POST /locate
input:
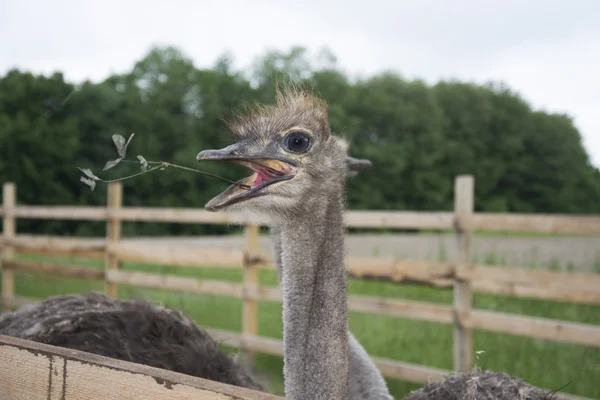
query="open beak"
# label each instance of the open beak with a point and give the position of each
(267, 171)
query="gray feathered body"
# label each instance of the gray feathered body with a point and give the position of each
(134, 330)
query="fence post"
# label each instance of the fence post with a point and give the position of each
(113, 233)
(9, 200)
(250, 309)
(463, 298)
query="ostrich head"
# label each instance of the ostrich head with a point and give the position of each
(296, 160)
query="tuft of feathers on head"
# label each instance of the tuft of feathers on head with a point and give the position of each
(293, 107)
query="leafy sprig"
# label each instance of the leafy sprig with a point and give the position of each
(146, 166)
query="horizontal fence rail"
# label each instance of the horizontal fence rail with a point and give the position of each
(511, 222)
(570, 224)
(462, 276)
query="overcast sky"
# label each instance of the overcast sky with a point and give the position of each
(547, 50)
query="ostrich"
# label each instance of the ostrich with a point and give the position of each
(298, 168)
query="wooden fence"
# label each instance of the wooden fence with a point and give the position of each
(462, 275)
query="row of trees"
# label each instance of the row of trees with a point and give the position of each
(419, 137)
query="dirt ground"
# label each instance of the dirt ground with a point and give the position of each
(576, 253)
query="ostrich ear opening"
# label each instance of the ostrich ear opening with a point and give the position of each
(356, 165)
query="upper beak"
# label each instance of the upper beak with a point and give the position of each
(232, 153)
(226, 153)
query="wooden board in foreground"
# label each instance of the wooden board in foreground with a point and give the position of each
(31, 371)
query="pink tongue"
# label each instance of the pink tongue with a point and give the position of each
(260, 179)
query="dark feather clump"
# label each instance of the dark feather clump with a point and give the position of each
(134, 330)
(477, 385)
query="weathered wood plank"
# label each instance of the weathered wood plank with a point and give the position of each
(182, 215)
(573, 287)
(57, 373)
(399, 219)
(401, 308)
(251, 282)
(177, 255)
(177, 283)
(541, 223)
(56, 245)
(546, 223)
(56, 270)
(364, 219)
(463, 285)
(82, 213)
(402, 271)
(9, 228)
(541, 328)
(113, 233)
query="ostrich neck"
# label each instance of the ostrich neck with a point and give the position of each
(315, 315)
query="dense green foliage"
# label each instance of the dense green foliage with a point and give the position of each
(418, 136)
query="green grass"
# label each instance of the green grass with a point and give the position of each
(543, 363)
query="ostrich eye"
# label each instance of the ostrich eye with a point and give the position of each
(297, 142)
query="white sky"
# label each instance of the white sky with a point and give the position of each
(547, 50)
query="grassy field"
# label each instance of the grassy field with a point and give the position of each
(543, 363)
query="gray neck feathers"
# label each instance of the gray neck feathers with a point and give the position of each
(276, 242)
(315, 315)
(365, 382)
